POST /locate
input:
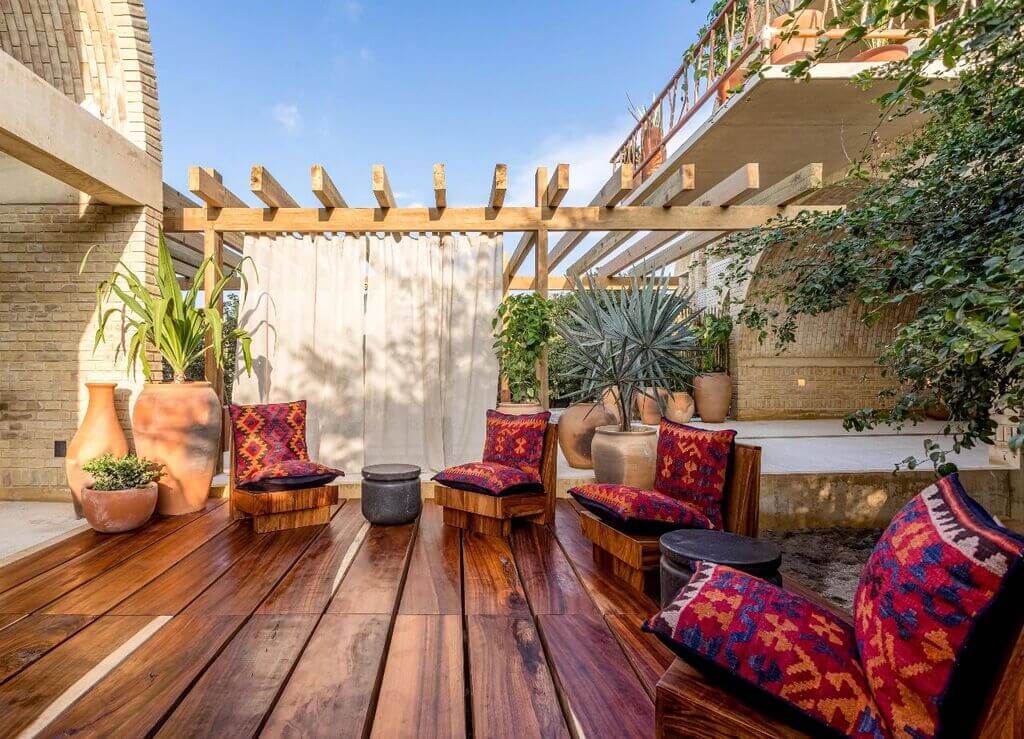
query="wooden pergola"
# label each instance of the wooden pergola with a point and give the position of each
(736, 203)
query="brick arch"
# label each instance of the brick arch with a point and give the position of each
(97, 52)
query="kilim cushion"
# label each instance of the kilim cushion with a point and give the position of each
(490, 478)
(516, 441)
(939, 603)
(692, 465)
(634, 509)
(290, 474)
(265, 434)
(798, 655)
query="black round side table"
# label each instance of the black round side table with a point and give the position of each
(391, 493)
(680, 549)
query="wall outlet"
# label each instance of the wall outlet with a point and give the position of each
(60, 449)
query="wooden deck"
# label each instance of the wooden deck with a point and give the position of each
(194, 626)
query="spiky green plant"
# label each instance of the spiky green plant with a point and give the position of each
(633, 340)
(171, 320)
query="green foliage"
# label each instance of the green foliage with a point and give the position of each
(628, 340)
(122, 473)
(561, 385)
(938, 230)
(713, 332)
(229, 350)
(522, 328)
(171, 320)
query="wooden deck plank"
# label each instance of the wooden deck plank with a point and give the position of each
(6, 619)
(648, 657)
(27, 694)
(490, 578)
(549, 580)
(422, 693)
(334, 685)
(32, 637)
(581, 648)
(236, 692)
(374, 581)
(512, 694)
(434, 583)
(50, 585)
(52, 556)
(102, 593)
(309, 585)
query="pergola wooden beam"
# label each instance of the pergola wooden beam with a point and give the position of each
(740, 183)
(499, 186)
(324, 189)
(205, 183)
(382, 188)
(440, 187)
(528, 239)
(269, 190)
(557, 187)
(194, 241)
(618, 186)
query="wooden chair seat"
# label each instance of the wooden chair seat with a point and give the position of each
(492, 514)
(290, 509)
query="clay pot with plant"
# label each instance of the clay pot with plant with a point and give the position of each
(712, 388)
(522, 330)
(880, 50)
(177, 424)
(621, 343)
(123, 493)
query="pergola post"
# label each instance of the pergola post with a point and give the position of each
(213, 249)
(543, 197)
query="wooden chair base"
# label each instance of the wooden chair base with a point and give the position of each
(283, 510)
(633, 558)
(488, 514)
(477, 524)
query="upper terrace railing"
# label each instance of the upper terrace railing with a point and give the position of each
(716, 64)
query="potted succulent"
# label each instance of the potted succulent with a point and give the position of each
(620, 343)
(712, 388)
(176, 423)
(122, 495)
(522, 330)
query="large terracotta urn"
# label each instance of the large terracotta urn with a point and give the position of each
(114, 511)
(679, 406)
(576, 428)
(625, 457)
(713, 392)
(519, 409)
(179, 425)
(887, 53)
(647, 405)
(99, 434)
(610, 402)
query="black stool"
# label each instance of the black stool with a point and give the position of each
(391, 493)
(680, 549)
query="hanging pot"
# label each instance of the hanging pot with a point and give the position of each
(99, 434)
(887, 53)
(713, 392)
(519, 409)
(114, 511)
(178, 424)
(576, 427)
(625, 457)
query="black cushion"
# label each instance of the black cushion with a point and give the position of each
(280, 484)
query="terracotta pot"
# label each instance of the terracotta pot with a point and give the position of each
(650, 141)
(576, 428)
(887, 53)
(114, 511)
(647, 406)
(727, 85)
(99, 434)
(179, 425)
(787, 51)
(625, 457)
(519, 409)
(610, 403)
(679, 407)
(713, 393)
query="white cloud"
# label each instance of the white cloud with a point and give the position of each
(287, 116)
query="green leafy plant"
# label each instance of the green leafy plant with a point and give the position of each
(171, 321)
(631, 341)
(522, 329)
(560, 383)
(229, 349)
(713, 332)
(122, 473)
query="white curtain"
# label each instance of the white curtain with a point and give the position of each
(404, 372)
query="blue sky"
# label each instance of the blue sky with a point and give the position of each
(350, 83)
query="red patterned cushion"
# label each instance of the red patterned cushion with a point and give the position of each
(490, 478)
(634, 508)
(692, 463)
(782, 645)
(266, 434)
(292, 468)
(516, 441)
(938, 602)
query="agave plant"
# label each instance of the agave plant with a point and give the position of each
(170, 320)
(632, 341)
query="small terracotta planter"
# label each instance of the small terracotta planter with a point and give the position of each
(887, 53)
(519, 409)
(625, 457)
(576, 427)
(679, 406)
(115, 511)
(713, 394)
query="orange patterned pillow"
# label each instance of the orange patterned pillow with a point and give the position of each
(692, 465)
(516, 441)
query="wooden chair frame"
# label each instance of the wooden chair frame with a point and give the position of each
(635, 558)
(492, 514)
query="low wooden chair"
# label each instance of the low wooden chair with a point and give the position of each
(493, 515)
(635, 558)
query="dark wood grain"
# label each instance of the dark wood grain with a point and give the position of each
(102, 593)
(6, 619)
(334, 685)
(490, 578)
(512, 694)
(374, 581)
(237, 690)
(549, 580)
(32, 637)
(599, 687)
(422, 693)
(49, 557)
(434, 583)
(308, 586)
(648, 657)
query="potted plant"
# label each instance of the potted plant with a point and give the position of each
(676, 403)
(522, 329)
(880, 50)
(123, 492)
(712, 388)
(625, 341)
(176, 423)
